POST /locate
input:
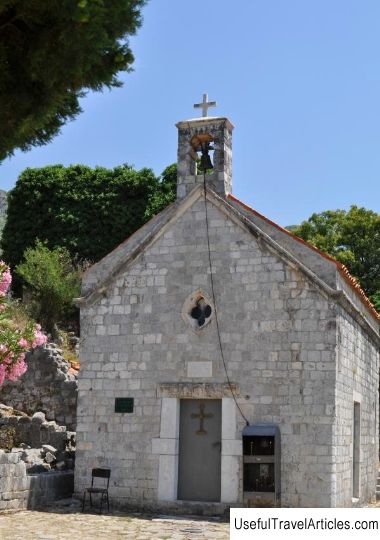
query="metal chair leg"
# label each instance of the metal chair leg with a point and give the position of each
(84, 500)
(108, 503)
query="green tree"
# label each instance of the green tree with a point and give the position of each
(51, 53)
(87, 211)
(166, 192)
(375, 298)
(52, 282)
(353, 238)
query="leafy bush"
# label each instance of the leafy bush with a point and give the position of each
(87, 211)
(51, 281)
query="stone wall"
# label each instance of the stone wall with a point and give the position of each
(357, 374)
(49, 385)
(34, 431)
(49, 487)
(279, 337)
(14, 483)
(19, 491)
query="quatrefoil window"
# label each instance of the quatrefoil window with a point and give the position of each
(197, 310)
(201, 311)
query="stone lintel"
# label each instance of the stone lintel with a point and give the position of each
(196, 390)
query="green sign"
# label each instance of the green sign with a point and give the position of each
(124, 405)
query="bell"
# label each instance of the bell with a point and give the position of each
(205, 163)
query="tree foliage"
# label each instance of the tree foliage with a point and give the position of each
(165, 193)
(52, 282)
(353, 238)
(51, 53)
(87, 211)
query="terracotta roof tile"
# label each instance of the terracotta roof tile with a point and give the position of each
(352, 282)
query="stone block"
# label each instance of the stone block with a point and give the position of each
(38, 418)
(229, 479)
(199, 369)
(165, 446)
(167, 478)
(228, 418)
(232, 447)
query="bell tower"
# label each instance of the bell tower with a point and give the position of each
(204, 148)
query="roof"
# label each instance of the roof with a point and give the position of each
(99, 276)
(342, 269)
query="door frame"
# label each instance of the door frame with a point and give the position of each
(166, 447)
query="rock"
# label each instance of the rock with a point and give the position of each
(24, 420)
(48, 448)
(31, 455)
(38, 468)
(49, 457)
(39, 417)
(43, 386)
(5, 410)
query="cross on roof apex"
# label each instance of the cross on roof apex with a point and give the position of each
(205, 105)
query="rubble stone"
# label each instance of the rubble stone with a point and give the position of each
(49, 384)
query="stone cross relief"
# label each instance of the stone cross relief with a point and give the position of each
(202, 415)
(205, 105)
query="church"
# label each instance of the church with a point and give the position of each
(225, 361)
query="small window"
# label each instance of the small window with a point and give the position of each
(201, 312)
(197, 310)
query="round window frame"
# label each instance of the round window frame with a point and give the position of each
(190, 303)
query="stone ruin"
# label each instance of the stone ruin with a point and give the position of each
(37, 460)
(43, 445)
(49, 385)
(37, 449)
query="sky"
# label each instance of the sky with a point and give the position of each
(300, 81)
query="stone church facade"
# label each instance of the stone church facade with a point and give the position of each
(209, 323)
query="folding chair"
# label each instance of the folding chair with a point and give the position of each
(102, 490)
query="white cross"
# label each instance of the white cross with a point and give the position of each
(205, 105)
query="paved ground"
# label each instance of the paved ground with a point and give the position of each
(68, 523)
(64, 523)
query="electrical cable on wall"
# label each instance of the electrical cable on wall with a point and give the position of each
(215, 306)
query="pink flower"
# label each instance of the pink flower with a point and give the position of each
(5, 280)
(17, 369)
(2, 307)
(23, 343)
(8, 359)
(2, 373)
(39, 337)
